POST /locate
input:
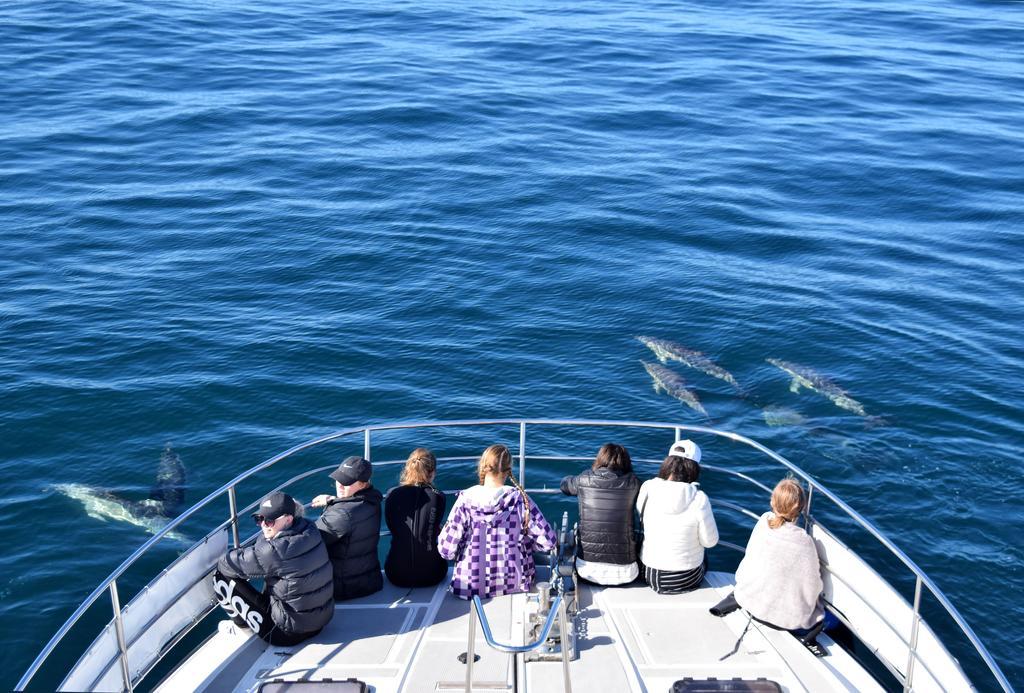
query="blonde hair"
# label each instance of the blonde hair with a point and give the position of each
(495, 460)
(419, 468)
(788, 500)
(498, 460)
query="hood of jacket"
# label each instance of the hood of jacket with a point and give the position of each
(670, 497)
(297, 540)
(489, 508)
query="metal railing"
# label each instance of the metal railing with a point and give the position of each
(476, 613)
(109, 585)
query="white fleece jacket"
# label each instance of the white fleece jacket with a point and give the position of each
(779, 578)
(678, 524)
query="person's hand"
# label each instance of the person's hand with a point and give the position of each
(322, 500)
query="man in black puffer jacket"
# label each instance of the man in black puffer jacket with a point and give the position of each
(296, 602)
(350, 527)
(607, 496)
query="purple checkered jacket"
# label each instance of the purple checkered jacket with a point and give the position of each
(493, 553)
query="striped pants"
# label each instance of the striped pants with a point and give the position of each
(674, 581)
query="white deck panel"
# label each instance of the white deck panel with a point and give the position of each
(630, 639)
(638, 640)
(395, 640)
(436, 667)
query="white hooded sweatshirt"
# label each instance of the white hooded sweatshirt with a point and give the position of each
(678, 524)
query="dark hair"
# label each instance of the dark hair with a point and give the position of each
(678, 468)
(614, 457)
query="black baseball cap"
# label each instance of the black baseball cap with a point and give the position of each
(274, 506)
(353, 469)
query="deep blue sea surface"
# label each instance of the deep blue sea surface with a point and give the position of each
(235, 226)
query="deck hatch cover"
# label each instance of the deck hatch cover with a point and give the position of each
(324, 686)
(713, 685)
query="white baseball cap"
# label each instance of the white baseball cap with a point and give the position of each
(685, 448)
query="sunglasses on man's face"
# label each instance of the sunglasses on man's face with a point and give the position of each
(260, 520)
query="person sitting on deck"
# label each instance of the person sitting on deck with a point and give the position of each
(350, 527)
(290, 557)
(607, 495)
(493, 531)
(779, 581)
(678, 523)
(413, 512)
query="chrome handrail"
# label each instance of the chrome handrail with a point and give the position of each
(557, 610)
(366, 431)
(485, 627)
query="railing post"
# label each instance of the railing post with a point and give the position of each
(470, 646)
(126, 676)
(914, 628)
(807, 508)
(679, 434)
(366, 445)
(563, 628)
(233, 504)
(522, 454)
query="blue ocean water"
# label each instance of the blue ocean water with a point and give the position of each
(235, 226)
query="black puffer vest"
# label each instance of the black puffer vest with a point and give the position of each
(606, 502)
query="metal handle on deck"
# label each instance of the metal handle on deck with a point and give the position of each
(516, 649)
(477, 612)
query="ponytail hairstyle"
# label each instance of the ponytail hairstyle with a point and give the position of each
(419, 468)
(788, 501)
(498, 460)
(495, 460)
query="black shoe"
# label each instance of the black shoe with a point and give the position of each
(726, 606)
(816, 648)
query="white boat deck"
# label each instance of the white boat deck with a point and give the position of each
(630, 639)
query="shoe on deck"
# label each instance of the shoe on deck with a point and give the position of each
(816, 648)
(229, 627)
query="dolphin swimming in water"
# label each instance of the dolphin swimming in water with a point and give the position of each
(664, 349)
(812, 380)
(166, 500)
(674, 385)
(775, 415)
(170, 482)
